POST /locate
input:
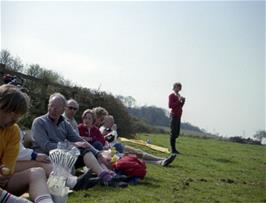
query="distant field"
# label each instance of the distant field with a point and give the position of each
(208, 170)
(186, 132)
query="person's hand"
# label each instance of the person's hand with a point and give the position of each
(114, 127)
(42, 158)
(4, 171)
(5, 174)
(88, 139)
(106, 146)
(81, 144)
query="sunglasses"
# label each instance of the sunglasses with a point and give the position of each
(72, 108)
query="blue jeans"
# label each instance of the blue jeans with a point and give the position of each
(119, 147)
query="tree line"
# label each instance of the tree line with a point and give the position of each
(40, 83)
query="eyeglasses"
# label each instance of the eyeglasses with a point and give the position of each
(72, 108)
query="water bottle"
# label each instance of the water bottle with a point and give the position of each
(62, 145)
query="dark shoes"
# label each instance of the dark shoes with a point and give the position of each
(118, 178)
(86, 181)
(116, 181)
(169, 160)
(175, 152)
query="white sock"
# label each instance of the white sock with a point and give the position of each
(6, 197)
(71, 181)
(150, 157)
(159, 162)
(44, 199)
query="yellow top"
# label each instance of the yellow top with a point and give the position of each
(9, 146)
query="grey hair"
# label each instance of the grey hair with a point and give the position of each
(58, 95)
(72, 101)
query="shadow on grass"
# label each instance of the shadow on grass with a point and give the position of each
(150, 182)
(224, 160)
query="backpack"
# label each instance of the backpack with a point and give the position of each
(130, 166)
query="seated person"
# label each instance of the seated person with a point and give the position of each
(99, 114)
(51, 128)
(14, 104)
(28, 158)
(71, 109)
(108, 130)
(89, 132)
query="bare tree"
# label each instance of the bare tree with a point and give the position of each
(128, 101)
(34, 70)
(16, 64)
(10, 62)
(5, 58)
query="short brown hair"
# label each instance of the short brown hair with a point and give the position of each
(88, 111)
(100, 111)
(177, 84)
(13, 100)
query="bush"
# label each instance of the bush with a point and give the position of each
(244, 140)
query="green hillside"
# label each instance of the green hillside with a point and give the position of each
(208, 170)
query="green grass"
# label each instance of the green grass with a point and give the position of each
(209, 170)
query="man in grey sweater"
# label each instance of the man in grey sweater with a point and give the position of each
(51, 128)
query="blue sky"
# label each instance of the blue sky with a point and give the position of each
(216, 49)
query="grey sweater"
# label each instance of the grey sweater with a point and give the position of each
(47, 134)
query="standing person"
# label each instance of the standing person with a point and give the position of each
(14, 104)
(175, 103)
(71, 109)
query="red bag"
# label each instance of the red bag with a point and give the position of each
(131, 166)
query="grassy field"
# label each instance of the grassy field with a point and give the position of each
(208, 170)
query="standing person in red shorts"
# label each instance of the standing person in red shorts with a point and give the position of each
(175, 103)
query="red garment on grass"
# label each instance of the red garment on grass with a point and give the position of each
(131, 166)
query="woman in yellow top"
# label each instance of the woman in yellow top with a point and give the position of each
(14, 104)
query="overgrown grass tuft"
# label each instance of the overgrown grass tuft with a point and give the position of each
(208, 170)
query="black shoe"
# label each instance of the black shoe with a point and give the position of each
(116, 181)
(120, 184)
(168, 160)
(112, 183)
(86, 181)
(120, 178)
(175, 152)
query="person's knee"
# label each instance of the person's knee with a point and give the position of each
(48, 167)
(88, 155)
(36, 173)
(88, 158)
